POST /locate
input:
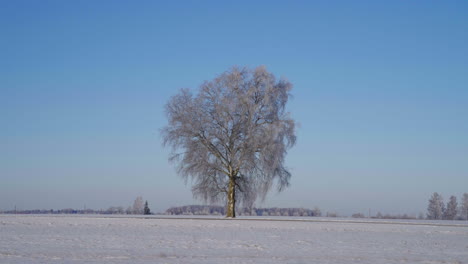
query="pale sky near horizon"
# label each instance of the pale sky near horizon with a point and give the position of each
(380, 92)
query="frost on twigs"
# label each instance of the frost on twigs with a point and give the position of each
(232, 136)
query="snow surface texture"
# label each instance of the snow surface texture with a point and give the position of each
(97, 239)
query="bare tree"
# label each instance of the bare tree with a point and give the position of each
(451, 210)
(138, 206)
(317, 211)
(129, 210)
(464, 207)
(231, 138)
(436, 208)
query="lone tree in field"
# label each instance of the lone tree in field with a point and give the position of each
(231, 138)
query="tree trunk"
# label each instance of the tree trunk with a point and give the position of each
(231, 198)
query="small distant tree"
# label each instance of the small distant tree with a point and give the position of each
(317, 212)
(146, 209)
(138, 207)
(464, 207)
(129, 210)
(436, 208)
(451, 211)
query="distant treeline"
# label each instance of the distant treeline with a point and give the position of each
(51, 211)
(110, 210)
(387, 216)
(220, 210)
(209, 210)
(138, 208)
(436, 210)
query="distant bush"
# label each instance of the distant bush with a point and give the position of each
(329, 214)
(358, 215)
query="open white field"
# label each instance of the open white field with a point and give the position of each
(96, 239)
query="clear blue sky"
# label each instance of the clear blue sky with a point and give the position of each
(380, 91)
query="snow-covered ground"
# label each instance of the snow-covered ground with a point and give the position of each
(98, 239)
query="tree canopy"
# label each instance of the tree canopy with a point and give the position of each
(232, 136)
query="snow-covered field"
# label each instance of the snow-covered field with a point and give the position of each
(98, 239)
